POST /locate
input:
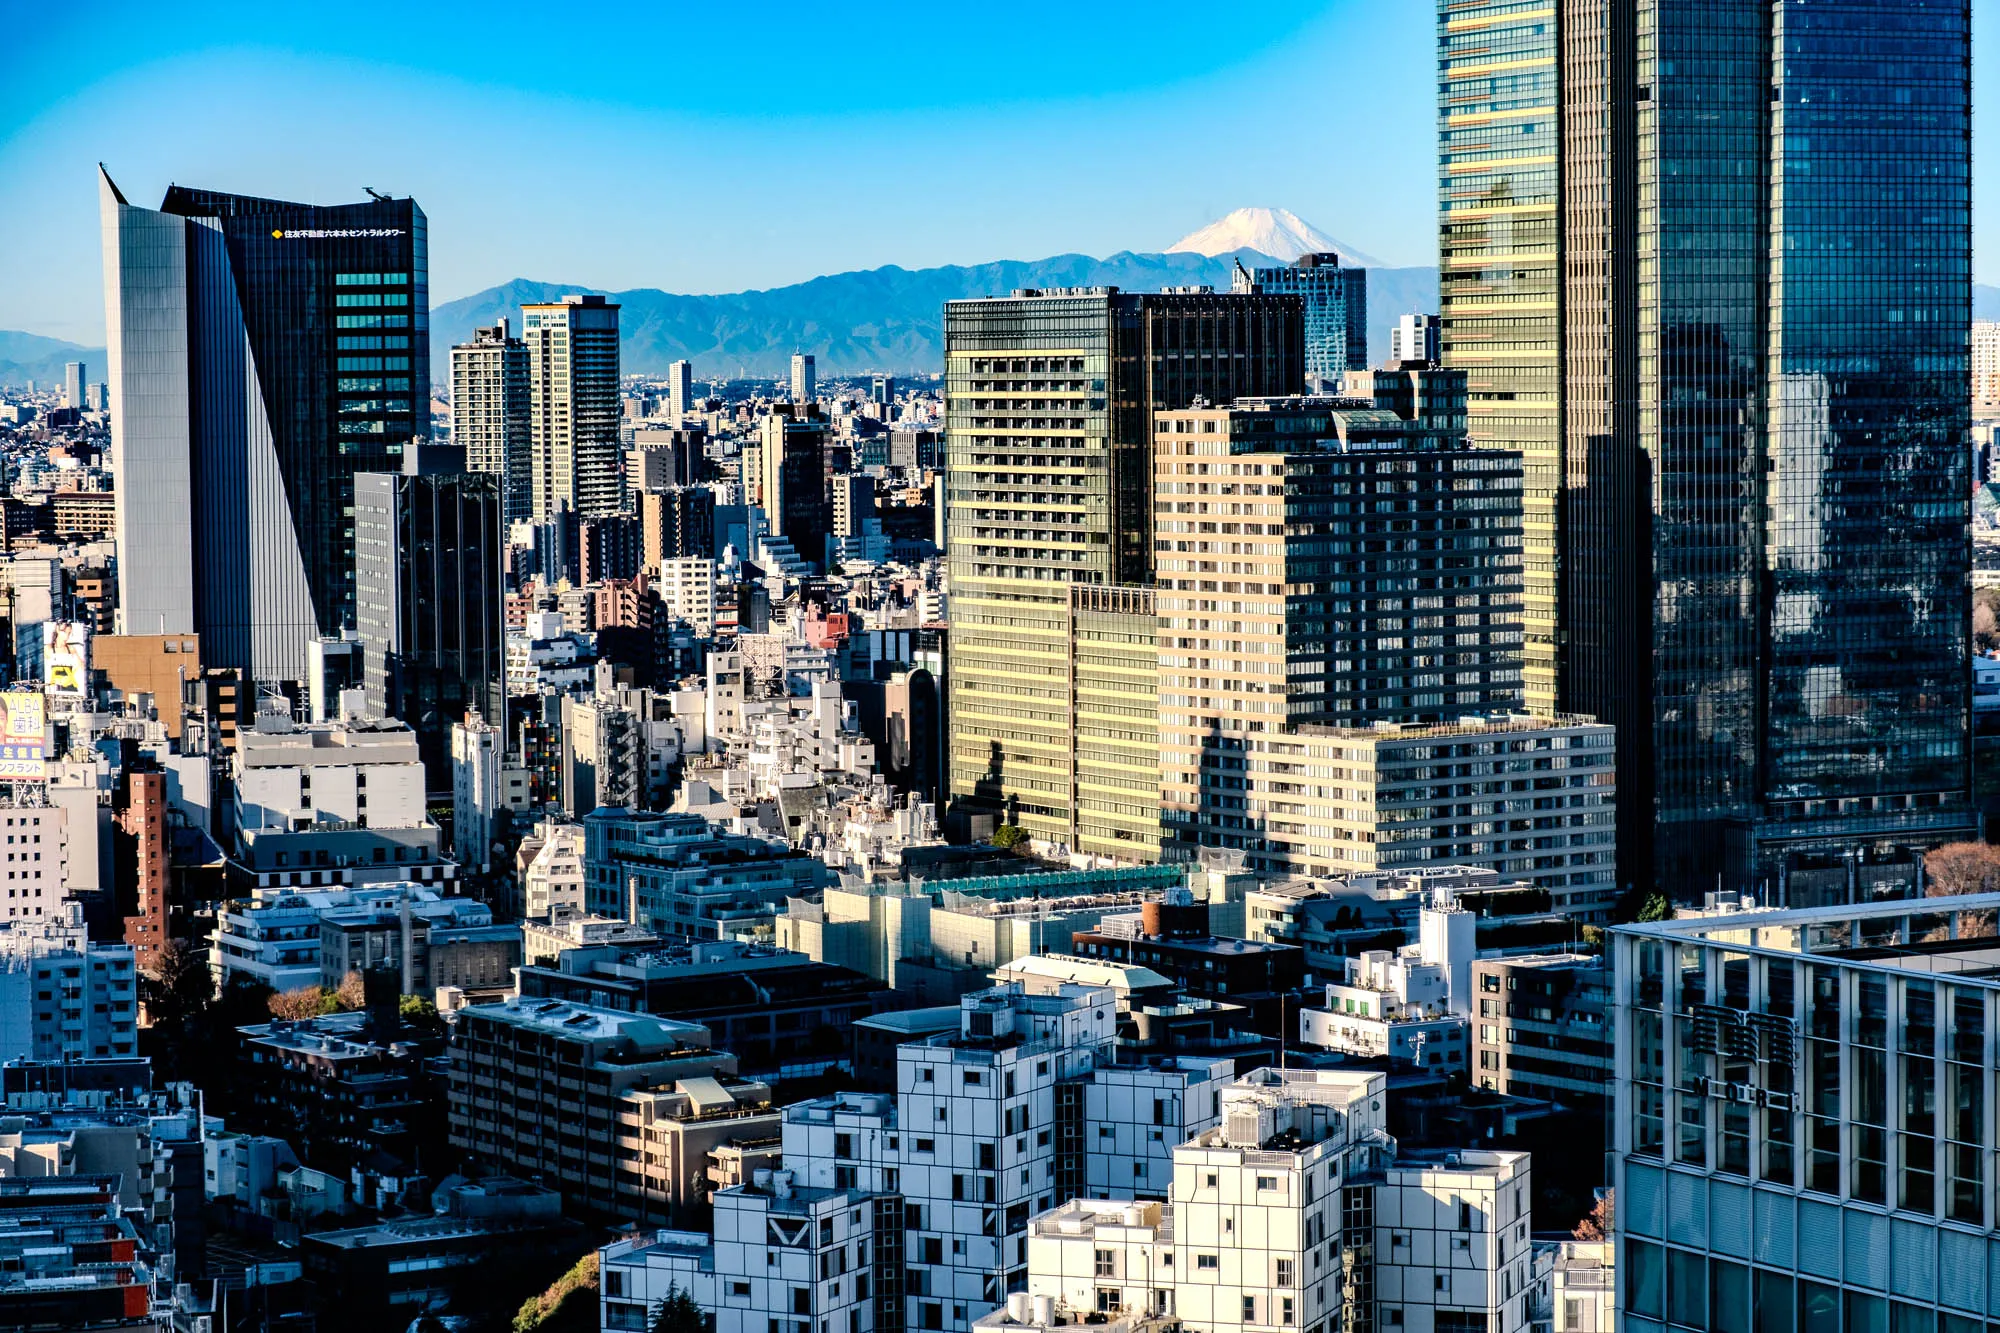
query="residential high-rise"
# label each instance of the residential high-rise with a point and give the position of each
(680, 391)
(1986, 367)
(1336, 313)
(675, 524)
(490, 406)
(1415, 338)
(1747, 497)
(805, 378)
(798, 466)
(1050, 398)
(73, 384)
(262, 354)
(882, 390)
(574, 452)
(429, 547)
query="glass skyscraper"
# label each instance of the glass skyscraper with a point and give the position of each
(1497, 266)
(1336, 311)
(262, 353)
(1761, 546)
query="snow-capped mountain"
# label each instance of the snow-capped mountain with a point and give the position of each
(1277, 232)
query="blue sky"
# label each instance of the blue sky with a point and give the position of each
(715, 148)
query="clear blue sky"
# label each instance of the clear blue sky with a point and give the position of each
(714, 148)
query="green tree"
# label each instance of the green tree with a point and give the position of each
(568, 1306)
(419, 1011)
(676, 1312)
(1656, 907)
(1008, 837)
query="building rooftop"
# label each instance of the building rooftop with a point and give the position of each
(1092, 1217)
(1945, 936)
(938, 1018)
(1121, 978)
(583, 1022)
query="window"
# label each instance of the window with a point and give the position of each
(1249, 1309)
(614, 1282)
(973, 1078)
(1107, 1263)
(1206, 1262)
(1285, 1272)
(926, 1145)
(1267, 1182)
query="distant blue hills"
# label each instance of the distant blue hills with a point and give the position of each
(888, 319)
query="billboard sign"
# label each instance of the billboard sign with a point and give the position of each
(66, 656)
(24, 737)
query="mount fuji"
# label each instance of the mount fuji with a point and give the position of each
(1277, 232)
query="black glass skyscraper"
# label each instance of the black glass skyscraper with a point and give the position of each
(270, 351)
(429, 542)
(1764, 517)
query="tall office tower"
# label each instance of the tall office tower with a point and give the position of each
(574, 413)
(73, 384)
(1497, 271)
(1802, 1136)
(429, 547)
(1747, 491)
(1336, 311)
(882, 389)
(805, 379)
(797, 464)
(1415, 338)
(1050, 398)
(1986, 367)
(262, 354)
(680, 391)
(490, 406)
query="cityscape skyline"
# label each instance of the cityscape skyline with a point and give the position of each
(1222, 811)
(638, 231)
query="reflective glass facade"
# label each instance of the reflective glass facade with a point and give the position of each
(335, 302)
(1803, 1126)
(1758, 546)
(1497, 259)
(1336, 311)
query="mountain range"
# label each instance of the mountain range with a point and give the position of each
(889, 319)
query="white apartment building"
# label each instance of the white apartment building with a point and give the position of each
(63, 997)
(367, 774)
(687, 591)
(991, 1123)
(36, 864)
(478, 758)
(1530, 798)
(554, 879)
(1411, 1004)
(1452, 1251)
(1291, 1213)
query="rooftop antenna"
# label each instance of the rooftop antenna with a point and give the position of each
(375, 194)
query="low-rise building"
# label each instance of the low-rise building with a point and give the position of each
(679, 876)
(336, 1088)
(63, 997)
(781, 1014)
(537, 1089)
(1543, 1027)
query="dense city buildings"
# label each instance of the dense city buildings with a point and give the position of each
(262, 354)
(490, 414)
(573, 445)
